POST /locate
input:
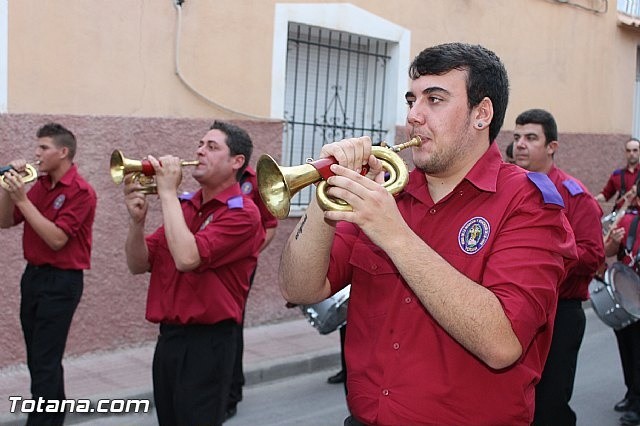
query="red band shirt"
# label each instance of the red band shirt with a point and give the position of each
(249, 188)
(71, 205)
(494, 227)
(583, 213)
(614, 184)
(228, 234)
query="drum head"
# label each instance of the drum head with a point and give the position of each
(625, 284)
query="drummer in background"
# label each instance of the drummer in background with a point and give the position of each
(535, 144)
(622, 180)
(629, 337)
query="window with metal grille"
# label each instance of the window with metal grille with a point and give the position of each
(630, 7)
(335, 89)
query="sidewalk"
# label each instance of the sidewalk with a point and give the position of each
(271, 352)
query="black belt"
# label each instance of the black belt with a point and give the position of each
(48, 267)
(570, 302)
(184, 328)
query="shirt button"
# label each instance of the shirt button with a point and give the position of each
(407, 300)
(432, 211)
(461, 193)
(396, 346)
(374, 267)
(385, 392)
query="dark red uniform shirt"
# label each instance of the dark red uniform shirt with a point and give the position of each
(249, 186)
(614, 184)
(583, 213)
(495, 228)
(71, 205)
(228, 235)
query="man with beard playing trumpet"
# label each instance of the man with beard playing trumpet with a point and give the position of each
(443, 329)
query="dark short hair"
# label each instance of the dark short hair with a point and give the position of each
(61, 136)
(543, 118)
(509, 150)
(238, 141)
(486, 75)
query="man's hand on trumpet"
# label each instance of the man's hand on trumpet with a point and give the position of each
(350, 153)
(13, 182)
(135, 199)
(374, 209)
(168, 174)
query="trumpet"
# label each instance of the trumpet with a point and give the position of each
(29, 174)
(277, 185)
(142, 170)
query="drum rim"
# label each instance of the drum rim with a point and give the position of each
(619, 267)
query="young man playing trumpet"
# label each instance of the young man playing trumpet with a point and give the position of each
(58, 213)
(444, 328)
(201, 260)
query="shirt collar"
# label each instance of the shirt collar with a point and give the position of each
(483, 175)
(66, 179)
(248, 171)
(553, 172)
(222, 197)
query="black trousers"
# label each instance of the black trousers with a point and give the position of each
(49, 297)
(192, 367)
(554, 391)
(237, 382)
(629, 347)
(343, 361)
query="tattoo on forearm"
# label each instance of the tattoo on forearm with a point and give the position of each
(299, 231)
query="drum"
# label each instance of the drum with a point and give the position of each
(616, 300)
(330, 314)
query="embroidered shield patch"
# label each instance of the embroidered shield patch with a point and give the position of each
(474, 235)
(59, 201)
(246, 188)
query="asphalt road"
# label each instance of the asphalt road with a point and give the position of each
(310, 401)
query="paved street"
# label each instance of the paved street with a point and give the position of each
(308, 399)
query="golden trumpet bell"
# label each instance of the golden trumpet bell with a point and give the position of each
(120, 166)
(142, 170)
(277, 184)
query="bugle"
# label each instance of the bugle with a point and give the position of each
(29, 174)
(142, 170)
(277, 185)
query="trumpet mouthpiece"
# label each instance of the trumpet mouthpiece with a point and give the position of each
(415, 141)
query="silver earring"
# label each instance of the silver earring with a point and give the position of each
(479, 125)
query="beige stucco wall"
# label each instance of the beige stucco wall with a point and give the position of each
(111, 312)
(117, 57)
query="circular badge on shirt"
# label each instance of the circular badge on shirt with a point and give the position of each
(474, 234)
(207, 221)
(59, 201)
(246, 188)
